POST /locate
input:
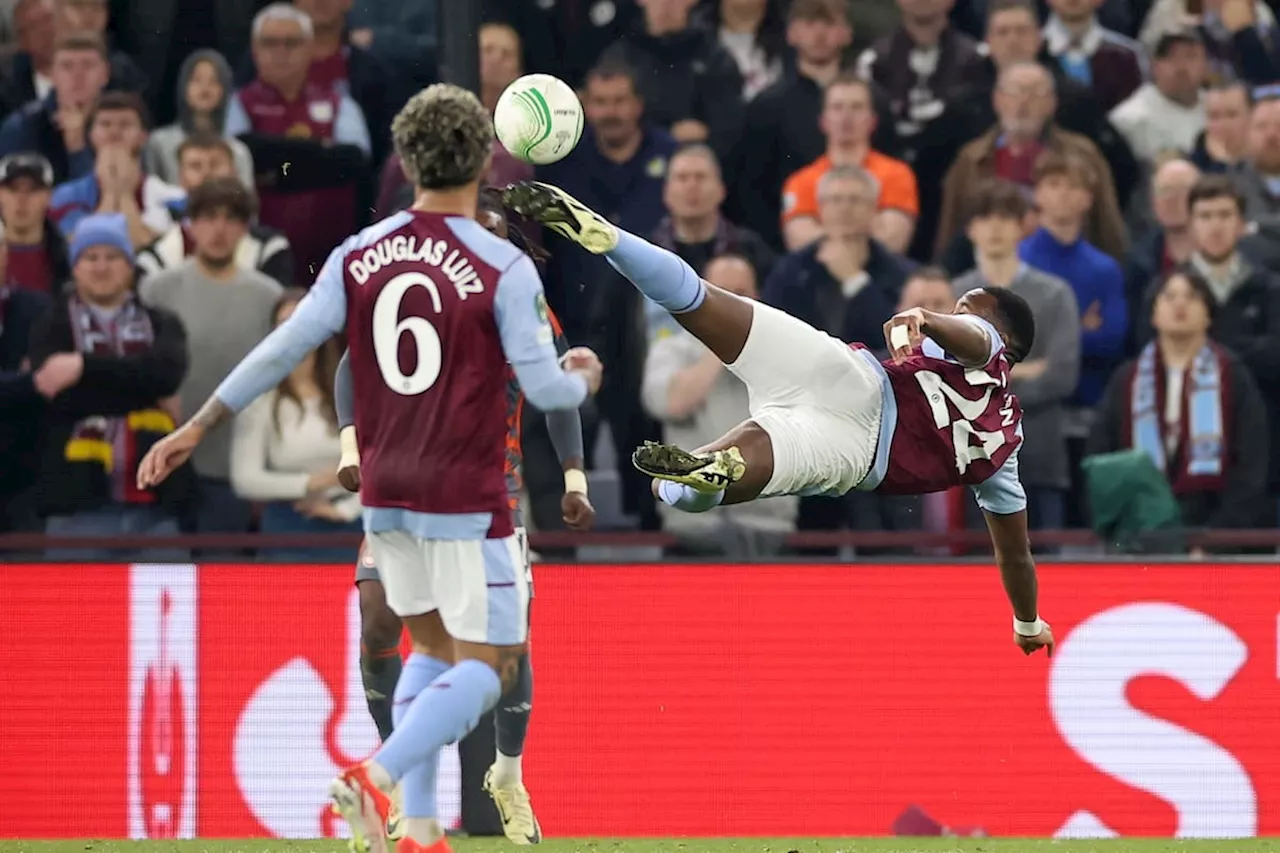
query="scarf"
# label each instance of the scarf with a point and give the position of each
(724, 242)
(1201, 451)
(112, 442)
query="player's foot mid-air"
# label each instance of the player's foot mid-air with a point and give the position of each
(380, 665)
(435, 310)
(827, 417)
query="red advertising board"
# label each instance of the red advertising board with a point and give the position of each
(670, 700)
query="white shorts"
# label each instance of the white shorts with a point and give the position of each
(818, 400)
(480, 586)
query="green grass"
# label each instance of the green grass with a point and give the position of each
(688, 845)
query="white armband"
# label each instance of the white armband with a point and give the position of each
(1029, 629)
(575, 481)
(350, 448)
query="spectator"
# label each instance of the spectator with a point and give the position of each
(309, 142)
(697, 400)
(617, 169)
(566, 39)
(1165, 246)
(118, 134)
(1193, 408)
(1166, 115)
(204, 91)
(1239, 35)
(21, 404)
(1046, 378)
(1259, 179)
(695, 229)
(927, 289)
(1024, 103)
(1013, 36)
(57, 126)
(752, 31)
(500, 65)
(1110, 64)
(782, 132)
(402, 35)
(923, 65)
(93, 16)
(203, 157)
(226, 310)
(846, 284)
(1065, 190)
(37, 254)
(689, 83)
(27, 75)
(127, 361)
(1224, 144)
(285, 452)
(848, 121)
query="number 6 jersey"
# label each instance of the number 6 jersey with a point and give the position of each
(948, 425)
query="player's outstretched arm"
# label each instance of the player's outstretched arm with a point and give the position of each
(969, 342)
(1018, 574)
(319, 316)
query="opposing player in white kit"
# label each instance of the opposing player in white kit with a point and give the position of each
(827, 418)
(435, 308)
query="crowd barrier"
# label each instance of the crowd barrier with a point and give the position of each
(699, 700)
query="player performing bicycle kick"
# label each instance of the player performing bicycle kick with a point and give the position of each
(826, 417)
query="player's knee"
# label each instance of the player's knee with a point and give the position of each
(379, 625)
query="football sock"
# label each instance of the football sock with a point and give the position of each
(511, 724)
(657, 273)
(418, 783)
(440, 714)
(380, 673)
(686, 498)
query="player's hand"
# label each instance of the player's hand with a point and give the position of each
(349, 477)
(577, 511)
(59, 372)
(168, 454)
(586, 363)
(1031, 645)
(904, 332)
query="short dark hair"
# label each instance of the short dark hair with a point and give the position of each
(205, 140)
(1211, 187)
(929, 273)
(86, 40)
(1168, 41)
(998, 197)
(995, 7)
(1066, 164)
(1199, 285)
(120, 102)
(222, 194)
(850, 77)
(1014, 314)
(827, 11)
(612, 69)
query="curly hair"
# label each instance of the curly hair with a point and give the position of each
(443, 136)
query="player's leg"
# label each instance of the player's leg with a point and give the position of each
(380, 629)
(482, 595)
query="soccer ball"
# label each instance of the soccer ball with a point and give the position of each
(538, 119)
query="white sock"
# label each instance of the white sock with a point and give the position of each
(508, 770)
(424, 830)
(686, 498)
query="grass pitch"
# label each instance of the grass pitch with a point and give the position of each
(685, 845)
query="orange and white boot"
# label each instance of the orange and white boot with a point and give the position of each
(364, 806)
(408, 845)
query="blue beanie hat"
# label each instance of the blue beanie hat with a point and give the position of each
(102, 229)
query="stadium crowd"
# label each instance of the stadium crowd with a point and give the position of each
(172, 176)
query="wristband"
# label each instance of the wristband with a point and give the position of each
(899, 337)
(1028, 629)
(350, 449)
(575, 481)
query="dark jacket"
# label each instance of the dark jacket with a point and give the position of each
(686, 75)
(110, 386)
(803, 287)
(32, 129)
(20, 407)
(1241, 503)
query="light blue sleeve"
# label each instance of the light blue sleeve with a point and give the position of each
(237, 120)
(520, 309)
(1002, 492)
(319, 316)
(931, 349)
(350, 128)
